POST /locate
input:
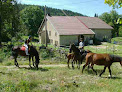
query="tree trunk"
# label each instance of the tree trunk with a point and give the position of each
(0, 30)
(0, 22)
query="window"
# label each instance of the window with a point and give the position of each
(51, 41)
(56, 43)
(49, 33)
(56, 34)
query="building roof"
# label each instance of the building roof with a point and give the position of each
(94, 22)
(75, 25)
(66, 25)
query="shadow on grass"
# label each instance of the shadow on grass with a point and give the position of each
(90, 71)
(34, 69)
(6, 73)
(112, 77)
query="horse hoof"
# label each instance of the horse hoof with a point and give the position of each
(99, 75)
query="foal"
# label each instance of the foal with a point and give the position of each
(70, 56)
(101, 59)
(77, 56)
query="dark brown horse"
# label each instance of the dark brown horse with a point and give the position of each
(101, 59)
(76, 56)
(33, 53)
(70, 56)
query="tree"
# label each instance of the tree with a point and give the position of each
(114, 18)
(32, 17)
(106, 17)
(114, 3)
(95, 15)
(7, 14)
(111, 19)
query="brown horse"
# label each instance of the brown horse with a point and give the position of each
(77, 55)
(70, 56)
(33, 53)
(101, 59)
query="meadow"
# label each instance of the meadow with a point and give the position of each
(53, 74)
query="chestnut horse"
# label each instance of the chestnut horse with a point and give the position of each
(76, 55)
(101, 59)
(32, 53)
(70, 56)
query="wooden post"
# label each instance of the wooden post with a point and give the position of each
(45, 27)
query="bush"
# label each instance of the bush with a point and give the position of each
(47, 53)
(116, 40)
(96, 41)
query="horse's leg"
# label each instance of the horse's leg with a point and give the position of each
(85, 66)
(68, 62)
(72, 64)
(30, 61)
(37, 66)
(102, 71)
(110, 71)
(33, 62)
(88, 66)
(15, 62)
(87, 62)
(93, 68)
(79, 64)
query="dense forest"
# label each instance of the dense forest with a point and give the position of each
(52, 11)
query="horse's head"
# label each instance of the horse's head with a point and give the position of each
(72, 47)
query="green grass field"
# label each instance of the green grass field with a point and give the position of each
(59, 79)
(54, 76)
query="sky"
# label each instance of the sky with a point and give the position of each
(85, 7)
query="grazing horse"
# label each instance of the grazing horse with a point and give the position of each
(101, 59)
(32, 53)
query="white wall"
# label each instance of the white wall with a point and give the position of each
(102, 33)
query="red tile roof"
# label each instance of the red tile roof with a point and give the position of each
(66, 25)
(70, 25)
(94, 22)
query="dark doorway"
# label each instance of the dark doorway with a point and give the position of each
(79, 37)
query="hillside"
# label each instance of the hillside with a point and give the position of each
(53, 11)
